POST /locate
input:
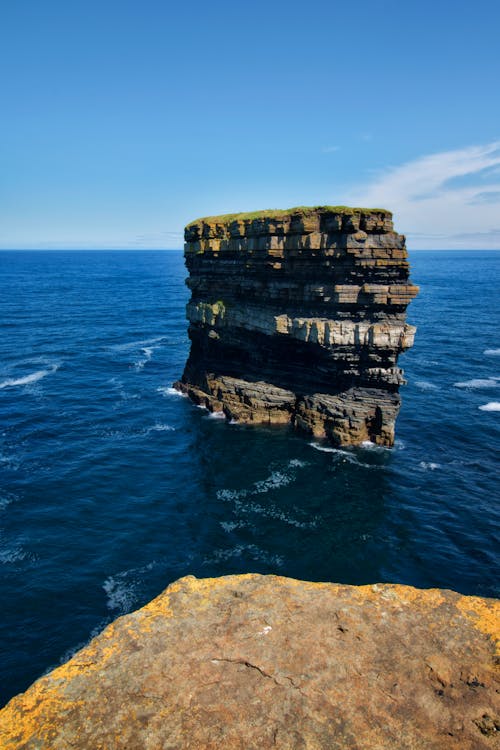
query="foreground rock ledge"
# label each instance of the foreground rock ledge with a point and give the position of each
(299, 316)
(266, 662)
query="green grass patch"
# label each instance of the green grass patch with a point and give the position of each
(280, 213)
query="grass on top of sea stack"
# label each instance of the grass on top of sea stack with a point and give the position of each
(279, 213)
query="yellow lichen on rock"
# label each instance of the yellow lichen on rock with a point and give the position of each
(263, 662)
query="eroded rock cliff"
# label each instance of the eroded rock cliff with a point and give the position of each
(254, 662)
(299, 316)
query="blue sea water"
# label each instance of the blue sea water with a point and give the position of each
(112, 485)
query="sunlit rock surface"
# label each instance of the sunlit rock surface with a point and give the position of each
(266, 662)
(299, 316)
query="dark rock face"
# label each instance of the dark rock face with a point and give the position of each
(298, 317)
(255, 662)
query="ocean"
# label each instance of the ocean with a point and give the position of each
(112, 485)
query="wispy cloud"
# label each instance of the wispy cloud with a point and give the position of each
(331, 149)
(440, 200)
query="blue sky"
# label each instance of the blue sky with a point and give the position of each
(122, 121)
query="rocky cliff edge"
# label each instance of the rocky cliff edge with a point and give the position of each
(266, 662)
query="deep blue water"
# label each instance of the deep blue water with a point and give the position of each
(112, 486)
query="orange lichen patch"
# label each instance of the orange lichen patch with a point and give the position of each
(240, 661)
(485, 616)
(37, 713)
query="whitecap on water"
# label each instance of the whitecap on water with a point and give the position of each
(425, 385)
(492, 406)
(323, 448)
(136, 344)
(122, 594)
(169, 391)
(118, 386)
(492, 352)
(216, 415)
(6, 498)
(242, 502)
(122, 589)
(369, 446)
(272, 511)
(429, 466)
(245, 550)
(478, 383)
(343, 455)
(33, 377)
(232, 525)
(148, 353)
(11, 554)
(159, 427)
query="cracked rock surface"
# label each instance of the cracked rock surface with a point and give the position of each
(267, 662)
(299, 317)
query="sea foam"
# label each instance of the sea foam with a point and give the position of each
(169, 391)
(136, 344)
(28, 379)
(148, 353)
(492, 406)
(342, 455)
(425, 385)
(492, 352)
(478, 383)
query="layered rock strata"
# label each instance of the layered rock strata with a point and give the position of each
(255, 662)
(298, 317)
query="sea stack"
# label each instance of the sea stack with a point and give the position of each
(298, 316)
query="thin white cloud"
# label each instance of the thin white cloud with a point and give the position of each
(331, 149)
(440, 200)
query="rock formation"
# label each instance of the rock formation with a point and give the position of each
(298, 316)
(254, 662)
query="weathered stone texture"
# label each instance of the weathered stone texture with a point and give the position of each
(254, 662)
(311, 302)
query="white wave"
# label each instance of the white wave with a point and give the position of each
(169, 391)
(425, 385)
(10, 462)
(148, 353)
(274, 481)
(122, 588)
(122, 594)
(428, 465)
(272, 511)
(323, 448)
(248, 550)
(133, 434)
(232, 525)
(492, 406)
(159, 427)
(120, 388)
(492, 352)
(12, 554)
(136, 344)
(369, 446)
(7, 499)
(216, 415)
(478, 383)
(342, 455)
(241, 499)
(31, 378)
